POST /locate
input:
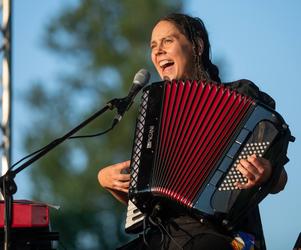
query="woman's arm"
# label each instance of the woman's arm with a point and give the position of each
(281, 183)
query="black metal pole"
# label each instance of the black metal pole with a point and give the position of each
(7, 184)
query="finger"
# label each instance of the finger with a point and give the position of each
(253, 165)
(123, 165)
(124, 177)
(116, 185)
(263, 166)
(247, 185)
(251, 172)
(125, 185)
(258, 163)
(124, 190)
(245, 169)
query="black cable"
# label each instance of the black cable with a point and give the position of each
(54, 141)
(163, 231)
(145, 230)
(31, 154)
(162, 228)
(92, 135)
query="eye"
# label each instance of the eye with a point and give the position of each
(153, 46)
(167, 41)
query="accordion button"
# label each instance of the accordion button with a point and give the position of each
(216, 177)
(225, 164)
(233, 150)
(242, 136)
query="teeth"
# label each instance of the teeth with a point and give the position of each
(164, 62)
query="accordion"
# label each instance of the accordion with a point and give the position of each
(189, 138)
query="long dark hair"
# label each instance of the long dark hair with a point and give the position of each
(194, 30)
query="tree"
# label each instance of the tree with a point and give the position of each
(103, 44)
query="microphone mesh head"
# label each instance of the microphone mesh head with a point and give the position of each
(142, 77)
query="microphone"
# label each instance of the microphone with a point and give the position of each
(140, 80)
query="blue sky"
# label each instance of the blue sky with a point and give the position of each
(259, 40)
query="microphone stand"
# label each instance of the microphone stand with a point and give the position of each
(7, 184)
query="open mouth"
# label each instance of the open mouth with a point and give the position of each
(165, 64)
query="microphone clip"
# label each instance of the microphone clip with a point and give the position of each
(122, 105)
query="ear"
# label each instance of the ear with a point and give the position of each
(200, 47)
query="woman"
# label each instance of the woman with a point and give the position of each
(180, 49)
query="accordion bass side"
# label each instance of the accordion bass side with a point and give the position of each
(189, 138)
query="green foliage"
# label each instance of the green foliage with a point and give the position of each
(103, 44)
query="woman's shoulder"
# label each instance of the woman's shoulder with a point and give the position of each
(249, 88)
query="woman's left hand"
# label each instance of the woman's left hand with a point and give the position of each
(256, 169)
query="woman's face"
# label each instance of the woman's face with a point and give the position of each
(171, 52)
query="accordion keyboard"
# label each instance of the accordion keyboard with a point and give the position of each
(134, 219)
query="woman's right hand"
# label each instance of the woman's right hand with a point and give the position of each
(113, 178)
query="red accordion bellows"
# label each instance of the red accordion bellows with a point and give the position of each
(197, 121)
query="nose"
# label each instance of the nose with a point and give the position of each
(160, 49)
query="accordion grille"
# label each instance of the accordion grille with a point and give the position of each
(137, 149)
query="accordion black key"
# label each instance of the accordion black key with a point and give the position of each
(189, 138)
